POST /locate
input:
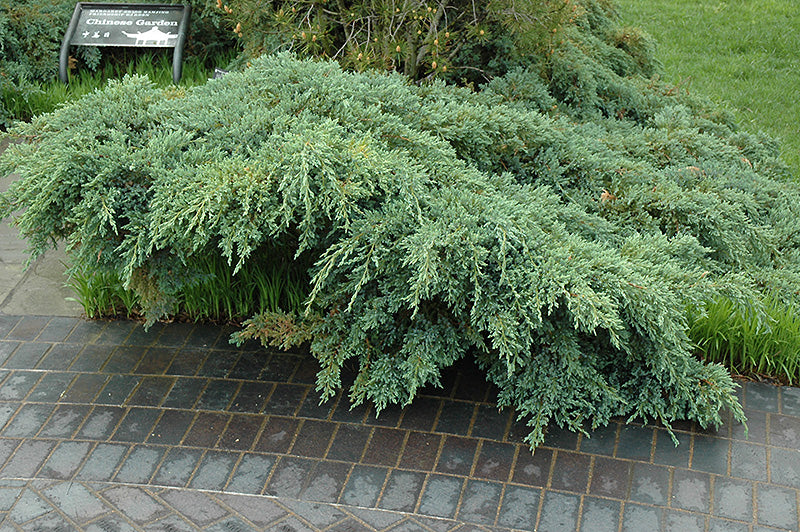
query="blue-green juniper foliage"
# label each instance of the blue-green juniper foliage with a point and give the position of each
(560, 241)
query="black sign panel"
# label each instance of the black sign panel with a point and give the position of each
(139, 25)
(128, 26)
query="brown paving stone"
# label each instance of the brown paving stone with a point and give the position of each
(600, 441)
(349, 443)
(364, 486)
(566, 440)
(102, 462)
(248, 366)
(650, 484)
(7, 324)
(151, 391)
(306, 371)
(421, 414)
(28, 420)
(26, 355)
(124, 359)
(495, 461)
(251, 397)
(733, 499)
(241, 432)
(285, 399)
(117, 389)
(259, 511)
(637, 518)
(347, 413)
(420, 451)
(710, 454)
(384, 447)
(490, 423)
(136, 503)
(790, 401)
(666, 452)
(748, 460)
(785, 467)
(28, 328)
(60, 357)
(206, 429)
(184, 393)
(560, 511)
(197, 507)
(533, 469)
(57, 329)
(777, 506)
(455, 417)
(471, 385)
(116, 332)
(177, 467)
(218, 394)
(84, 388)
(635, 442)
(760, 396)
(137, 425)
(313, 438)
(495, 489)
(171, 427)
(519, 508)
(27, 459)
(388, 417)
(277, 435)
(610, 477)
(571, 472)
(218, 364)
(65, 460)
(92, 358)
(756, 430)
(457, 456)
(188, 361)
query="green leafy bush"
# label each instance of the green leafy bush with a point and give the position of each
(561, 252)
(459, 40)
(419, 38)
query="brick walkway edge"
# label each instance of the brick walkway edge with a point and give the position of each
(107, 427)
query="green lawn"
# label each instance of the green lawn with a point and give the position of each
(745, 53)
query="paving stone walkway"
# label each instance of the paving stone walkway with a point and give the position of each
(106, 427)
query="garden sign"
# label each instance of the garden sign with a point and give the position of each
(138, 25)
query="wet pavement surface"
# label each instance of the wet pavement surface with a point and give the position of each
(107, 427)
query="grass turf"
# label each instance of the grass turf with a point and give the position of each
(744, 53)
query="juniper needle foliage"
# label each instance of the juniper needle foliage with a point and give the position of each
(555, 226)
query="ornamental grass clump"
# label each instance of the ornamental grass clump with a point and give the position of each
(554, 226)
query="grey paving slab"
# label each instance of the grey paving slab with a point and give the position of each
(105, 427)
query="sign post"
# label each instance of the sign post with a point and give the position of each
(137, 25)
